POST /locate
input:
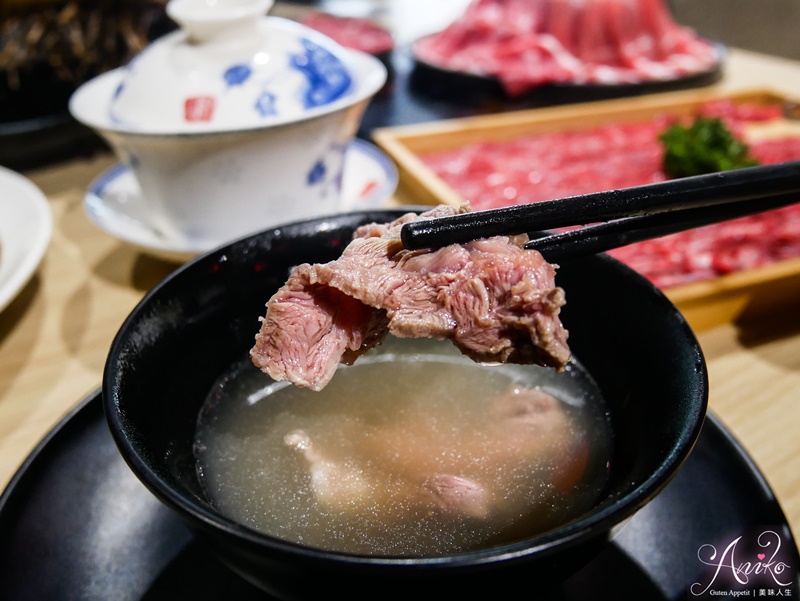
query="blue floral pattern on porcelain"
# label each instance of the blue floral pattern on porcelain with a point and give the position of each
(316, 174)
(327, 172)
(265, 104)
(237, 75)
(328, 79)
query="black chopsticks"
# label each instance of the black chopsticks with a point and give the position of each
(613, 234)
(641, 212)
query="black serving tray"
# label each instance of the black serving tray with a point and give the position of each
(76, 524)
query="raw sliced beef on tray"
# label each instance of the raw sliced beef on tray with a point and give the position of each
(539, 167)
(528, 43)
(494, 300)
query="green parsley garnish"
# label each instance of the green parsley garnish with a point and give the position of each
(707, 146)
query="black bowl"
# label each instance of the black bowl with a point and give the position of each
(188, 330)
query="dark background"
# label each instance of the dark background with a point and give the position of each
(770, 26)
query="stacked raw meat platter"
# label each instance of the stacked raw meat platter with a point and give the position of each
(529, 43)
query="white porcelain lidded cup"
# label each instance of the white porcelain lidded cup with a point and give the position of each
(236, 122)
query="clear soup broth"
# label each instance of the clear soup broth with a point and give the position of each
(413, 451)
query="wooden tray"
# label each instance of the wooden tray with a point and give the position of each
(728, 298)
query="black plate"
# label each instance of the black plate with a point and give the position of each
(438, 81)
(420, 93)
(39, 141)
(76, 524)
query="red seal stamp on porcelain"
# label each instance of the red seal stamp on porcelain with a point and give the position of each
(199, 108)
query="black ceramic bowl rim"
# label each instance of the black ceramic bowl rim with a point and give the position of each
(587, 527)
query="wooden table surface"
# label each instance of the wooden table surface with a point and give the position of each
(54, 336)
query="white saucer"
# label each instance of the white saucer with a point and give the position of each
(26, 225)
(113, 201)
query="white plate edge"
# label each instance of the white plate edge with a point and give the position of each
(43, 224)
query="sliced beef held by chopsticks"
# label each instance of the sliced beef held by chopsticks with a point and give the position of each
(496, 301)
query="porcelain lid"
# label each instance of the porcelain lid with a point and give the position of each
(230, 67)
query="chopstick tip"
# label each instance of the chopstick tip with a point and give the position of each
(407, 237)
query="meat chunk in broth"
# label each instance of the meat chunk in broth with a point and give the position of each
(400, 464)
(414, 450)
